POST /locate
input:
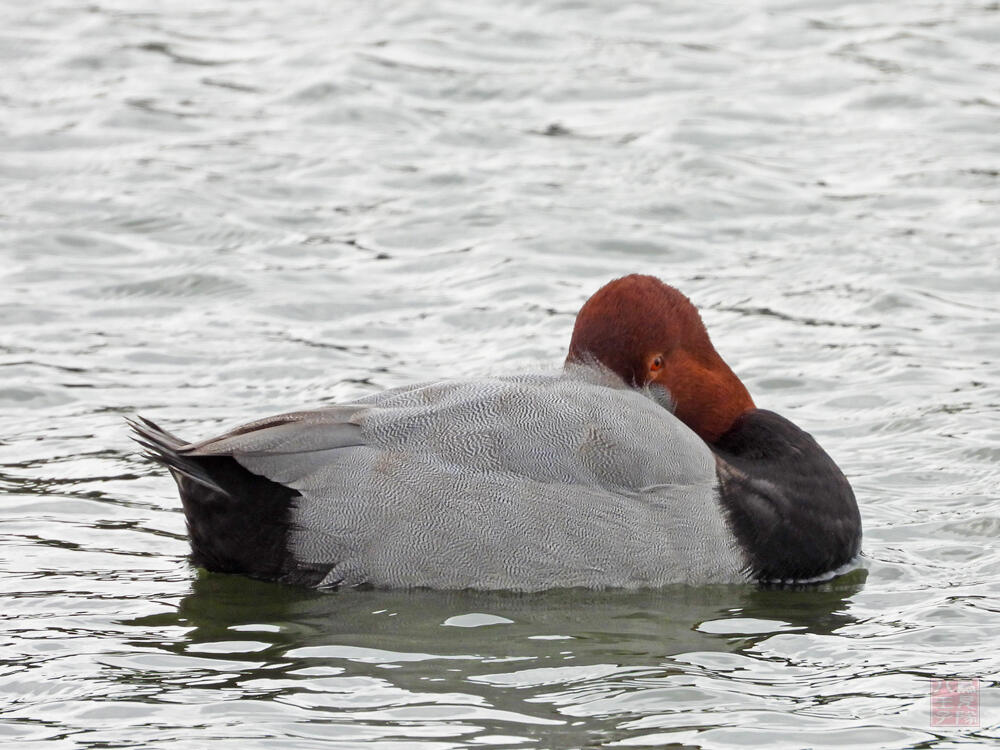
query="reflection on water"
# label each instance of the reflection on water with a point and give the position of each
(213, 212)
(631, 620)
(517, 664)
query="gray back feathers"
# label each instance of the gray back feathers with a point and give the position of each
(523, 482)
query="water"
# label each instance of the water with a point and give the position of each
(214, 211)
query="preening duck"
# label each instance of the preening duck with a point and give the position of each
(643, 463)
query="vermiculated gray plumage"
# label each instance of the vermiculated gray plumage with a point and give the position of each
(521, 482)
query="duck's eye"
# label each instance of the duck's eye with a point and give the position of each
(656, 364)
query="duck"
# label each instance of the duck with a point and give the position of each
(643, 462)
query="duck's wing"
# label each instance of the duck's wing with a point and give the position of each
(519, 483)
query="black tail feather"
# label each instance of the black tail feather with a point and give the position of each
(163, 448)
(238, 522)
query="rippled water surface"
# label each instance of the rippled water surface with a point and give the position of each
(214, 211)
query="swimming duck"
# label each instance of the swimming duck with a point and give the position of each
(643, 463)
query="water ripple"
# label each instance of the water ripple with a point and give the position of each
(210, 213)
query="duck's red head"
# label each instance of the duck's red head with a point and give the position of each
(648, 332)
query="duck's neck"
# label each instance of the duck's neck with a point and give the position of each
(788, 504)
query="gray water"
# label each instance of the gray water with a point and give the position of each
(214, 211)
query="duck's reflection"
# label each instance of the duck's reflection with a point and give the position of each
(460, 663)
(633, 627)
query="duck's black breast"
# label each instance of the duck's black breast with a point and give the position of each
(787, 503)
